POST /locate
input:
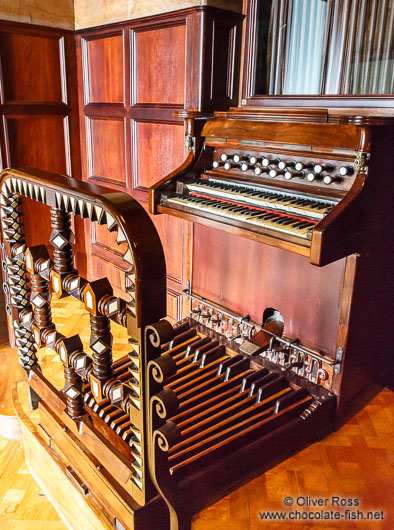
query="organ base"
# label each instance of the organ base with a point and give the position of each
(57, 460)
(49, 471)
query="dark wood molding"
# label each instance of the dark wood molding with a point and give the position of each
(375, 102)
(152, 20)
(27, 28)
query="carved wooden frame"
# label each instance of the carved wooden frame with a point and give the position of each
(28, 272)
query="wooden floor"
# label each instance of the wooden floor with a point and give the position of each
(357, 462)
(22, 504)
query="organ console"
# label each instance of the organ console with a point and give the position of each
(199, 407)
(302, 189)
(228, 401)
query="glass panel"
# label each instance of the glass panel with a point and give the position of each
(305, 59)
(324, 47)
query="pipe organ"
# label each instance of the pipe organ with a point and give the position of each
(301, 182)
(199, 407)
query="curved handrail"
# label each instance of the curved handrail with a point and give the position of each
(119, 212)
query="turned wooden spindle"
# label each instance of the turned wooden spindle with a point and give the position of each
(82, 364)
(40, 299)
(63, 264)
(70, 351)
(74, 285)
(18, 288)
(101, 344)
(25, 343)
(73, 391)
(61, 241)
(15, 238)
(13, 222)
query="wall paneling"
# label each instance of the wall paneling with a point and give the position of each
(132, 76)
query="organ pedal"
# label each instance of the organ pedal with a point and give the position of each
(214, 403)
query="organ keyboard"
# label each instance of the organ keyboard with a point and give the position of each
(260, 207)
(264, 197)
(290, 185)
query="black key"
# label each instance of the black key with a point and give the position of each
(302, 225)
(288, 222)
(294, 225)
(244, 211)
(266, 216)
(236, 209)
(276, 220)
(252, 212)
(296, 202)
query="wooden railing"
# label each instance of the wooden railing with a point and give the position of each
(32, 275)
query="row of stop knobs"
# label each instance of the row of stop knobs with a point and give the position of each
(289, 169)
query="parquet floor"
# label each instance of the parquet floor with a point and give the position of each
(23, 506)
(357, 462)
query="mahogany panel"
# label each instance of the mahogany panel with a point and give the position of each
(249, 277)
(33, 67)
(159, 65)
(213, 57)
(221, 79)
(38, 142)
(158, 149)
(98, 268)
(39, 110)
(107, 150)
(331, 136)
(105, 241)
(172, 235)
(105, 69)
(106, 257)
(37, 223)
(174, 304)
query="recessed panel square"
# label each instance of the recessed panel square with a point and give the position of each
(160, 65)
(33, 66)
(105, 69)
(107, 150)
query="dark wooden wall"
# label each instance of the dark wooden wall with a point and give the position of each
(132, 77)
(39, 108)
(127, 80)
(99, 105)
